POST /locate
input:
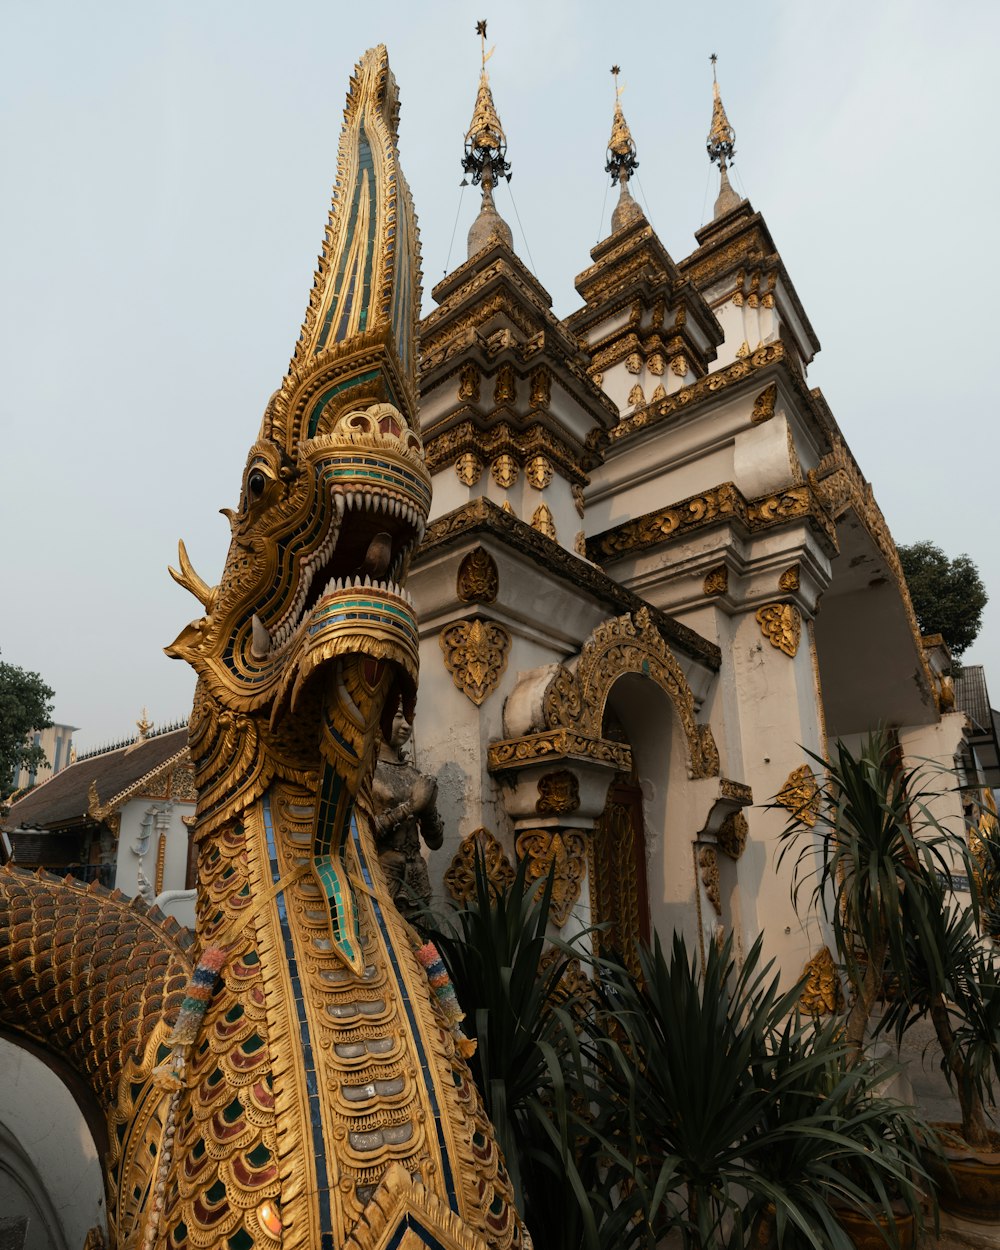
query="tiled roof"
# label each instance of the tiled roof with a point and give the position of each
(65, 798)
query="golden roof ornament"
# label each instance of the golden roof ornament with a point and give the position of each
(485, 159)
(622, 163)
(721, 147)
(144, 725)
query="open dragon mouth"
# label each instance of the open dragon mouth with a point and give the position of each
(369, 549)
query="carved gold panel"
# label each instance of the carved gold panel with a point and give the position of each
(716, 581)
(475, 653)
(633, 362)
(658, 394)
(564, 851)
(505, 470)
(708, 865)
(541, 388)
(732, 835)
(580, 544)
(538, 471)
(763, 405)
(635, 395)
(577, 492)
(800, 794)
(503, 390)
(558, 793)
(781, 625)
(460, 877)
(541, 520)
(468, 383)
(789, 580)
(679, 366)
(478, 580)
(656, 364)
(469, 468)
(822, 994)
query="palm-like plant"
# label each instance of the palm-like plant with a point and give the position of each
(730, 1111)
(875, 843)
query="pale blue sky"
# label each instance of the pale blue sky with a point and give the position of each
(166, 178)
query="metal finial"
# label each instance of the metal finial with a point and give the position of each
(621, 162)
(721, 144)
(485, 158)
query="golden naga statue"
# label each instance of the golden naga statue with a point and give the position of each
(290, 1080)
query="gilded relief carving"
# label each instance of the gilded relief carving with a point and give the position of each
(468, 383)
(475, 653)
(580, 544)
(505, 470)
(503, 390)
(781, 625)
(558, 793)
(708, 864)
(656, 364)
(800, 795)
(658, 394)
(538, 471)
(460, 877)
(679, 366)
(716, 581)
(822, 994)
(555, 744)
(469, 468)
(564, 853)
(578, 502)
(541, 520)
(732, 835)
(654, 527)
(633, 362)
(478, 580)
(789, 579)
(627, 644)
(541, 388)
(763, 405)
(635, 395)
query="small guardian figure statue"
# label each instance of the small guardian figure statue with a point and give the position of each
(405, 812)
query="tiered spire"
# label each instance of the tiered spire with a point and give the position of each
(485, 158)
(721, 147)
(622, 163)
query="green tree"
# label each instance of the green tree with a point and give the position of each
(948, 595)
(25, 704)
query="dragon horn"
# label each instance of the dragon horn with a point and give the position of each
(190, 580)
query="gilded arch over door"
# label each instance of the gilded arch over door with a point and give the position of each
(577, 695)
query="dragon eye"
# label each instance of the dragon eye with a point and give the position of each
(256, 483)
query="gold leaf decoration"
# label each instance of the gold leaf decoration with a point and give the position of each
(538, 471)
(478, 580)
(580, 544)
(475, 653)
(822, 994)
(558, 793)
(789, 580)
(635, 395)
(708, 862)
(541, 388)
(577, 492)
(800, 794)
(732, 835)
(781, 625)
(505, 470)
(763, 405)
(659, 393)
(460, 877)
(716, 581)
(743, 351)
(503, 391)
(656, 364)
(468, 383)
(541, 520)
(679, 366)
(565, 852)
(469, 468)
(633, 362)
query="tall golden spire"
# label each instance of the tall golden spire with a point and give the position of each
(485, 158)
(721, 147)
(622, 163)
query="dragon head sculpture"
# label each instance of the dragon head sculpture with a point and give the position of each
(309, 639)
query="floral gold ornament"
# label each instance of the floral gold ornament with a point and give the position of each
(763, 405)
(633, 363)
(478, 580)
(469, 468)
(679, 366)
(708, 864)
(503, 390)
(789, 579)
(460, 876)
(580, 544)
(505, 470)
(800, 795)
(541, 520)
(576, 697)
(541, 388)
(468, 384)
(781, 625)
(578, 498)
(475, 653)
(538, 471)
(716, 581)
(733, 834)
(658, 394)
(563, 852)
(635, 396)
(656, 364)
(558, 793)
(822, 994)
(743, 351)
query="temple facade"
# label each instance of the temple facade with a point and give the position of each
(655, 582)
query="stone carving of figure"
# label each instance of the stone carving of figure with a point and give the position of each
(405, 812)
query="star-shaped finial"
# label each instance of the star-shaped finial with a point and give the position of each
(616, 70)
(481, 28)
